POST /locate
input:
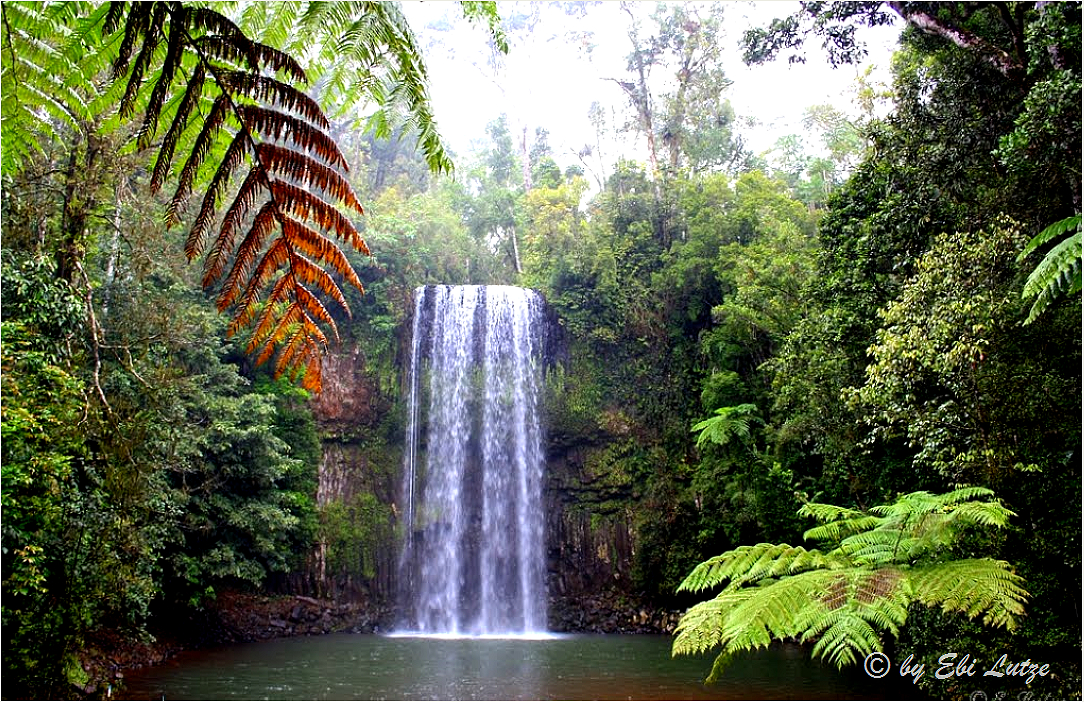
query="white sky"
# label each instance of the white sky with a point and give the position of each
(549, 78)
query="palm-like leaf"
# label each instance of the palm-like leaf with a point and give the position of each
(847, 598)
(1058, 273)
(728, 423)
(218, 101)
(364, 53)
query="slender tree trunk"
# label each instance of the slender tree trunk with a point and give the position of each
(525, 159)
(78, 202)
(515, 249)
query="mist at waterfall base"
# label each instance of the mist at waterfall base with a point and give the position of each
(473, 559)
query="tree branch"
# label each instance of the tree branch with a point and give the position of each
(924, 21)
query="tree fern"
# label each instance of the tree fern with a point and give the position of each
(36, 78)
(1059, 272)
(214, 101)
(728, 423)
(846, 599)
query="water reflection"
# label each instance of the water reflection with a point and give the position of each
(572, 667)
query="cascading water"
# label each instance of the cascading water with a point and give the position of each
(474, 554)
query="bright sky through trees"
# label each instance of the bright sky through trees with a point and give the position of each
(563, 58)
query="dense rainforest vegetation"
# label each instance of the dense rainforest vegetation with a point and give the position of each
(748, 333)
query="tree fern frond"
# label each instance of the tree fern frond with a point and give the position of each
(177, 127)
(200, 148)
(204, 220)
(221, 98)
(1058, 273)
(33, 77)
(306, 171)
(276, 126)
(728, 423)
(974, 587)
(262, 225)
(135, 26)
(270, 90)
(152, 38)
(843, 600)
(311, 243)
(308, 206)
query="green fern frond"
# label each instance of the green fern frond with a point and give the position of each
(1058, 274)
(845, 600)
(728, 423)
(752, 563)
(34, 78)
(973, 587)
(835, 529)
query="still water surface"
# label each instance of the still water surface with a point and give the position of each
(572, 667)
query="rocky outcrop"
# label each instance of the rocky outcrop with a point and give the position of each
(351, 402)
(609, 612)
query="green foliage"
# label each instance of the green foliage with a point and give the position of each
(945, 357)
(1058, 274)
(879, 563)
(728, 423)
(353, 534)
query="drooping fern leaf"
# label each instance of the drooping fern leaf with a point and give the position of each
(213, 101)
(276, 129)
(1058, 273)
(364, 53)
(845, 600)
(210, 98)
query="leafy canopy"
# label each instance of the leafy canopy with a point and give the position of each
(879, 562)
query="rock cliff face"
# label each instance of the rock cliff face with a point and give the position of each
(590, 533)
(351, 403)
(358, 484)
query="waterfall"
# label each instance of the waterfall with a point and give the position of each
(473, 559)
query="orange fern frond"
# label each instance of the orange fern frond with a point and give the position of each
(276, 257)
(265, 324)
(308, 272)
(306, 171)
(205, 218)
(294, 167)
(315, 308)
(277, 126)
(317, 246)
(282, 95)
(308, 206)
(224, 242)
